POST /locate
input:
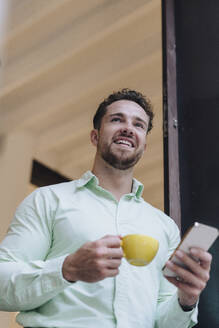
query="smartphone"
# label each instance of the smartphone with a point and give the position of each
(199, 235)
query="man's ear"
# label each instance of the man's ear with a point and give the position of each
(94, 136)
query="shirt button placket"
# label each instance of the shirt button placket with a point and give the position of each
(122, 279)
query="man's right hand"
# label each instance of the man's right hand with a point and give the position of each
(94, 261)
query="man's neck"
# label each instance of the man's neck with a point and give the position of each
(118, 182)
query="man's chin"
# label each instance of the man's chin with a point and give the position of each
(122, 167)
(121, 162)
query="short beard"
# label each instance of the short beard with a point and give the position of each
(119, 162)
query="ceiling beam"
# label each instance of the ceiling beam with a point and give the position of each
(46, 51)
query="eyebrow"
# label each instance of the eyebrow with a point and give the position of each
(137, 118)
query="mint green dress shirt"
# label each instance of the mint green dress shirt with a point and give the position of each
(55, 221)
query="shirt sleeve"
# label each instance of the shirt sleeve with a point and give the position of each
(27, 278)
(169, 312)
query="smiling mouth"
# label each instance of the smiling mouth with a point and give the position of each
(125, 143)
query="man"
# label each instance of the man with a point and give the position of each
(61, 261)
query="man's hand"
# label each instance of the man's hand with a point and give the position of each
(191, 281)
(94, 261)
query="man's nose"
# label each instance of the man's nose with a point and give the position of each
(127, 130)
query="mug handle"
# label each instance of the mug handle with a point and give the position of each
(121, 245)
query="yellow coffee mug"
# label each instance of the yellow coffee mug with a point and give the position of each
(139, 249)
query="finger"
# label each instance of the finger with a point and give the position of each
(103, 252)
(116, 253)
(112, 272)
(113, 263)
(176, 281)
(193, 265)
(204, 257)
(186, 277)
(187, 288)
(111, 241)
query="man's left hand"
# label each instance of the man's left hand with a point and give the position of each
(191, 280)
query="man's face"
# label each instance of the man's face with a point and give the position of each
(121, 139)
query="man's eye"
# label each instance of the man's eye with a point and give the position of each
(140, 125)
(116, 119)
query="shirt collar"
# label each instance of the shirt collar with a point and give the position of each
(89, 177)
(137, 188)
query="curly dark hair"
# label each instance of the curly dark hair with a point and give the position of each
(124, 94)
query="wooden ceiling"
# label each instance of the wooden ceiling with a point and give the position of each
(61, 58)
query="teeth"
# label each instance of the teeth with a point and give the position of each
(124, 142)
